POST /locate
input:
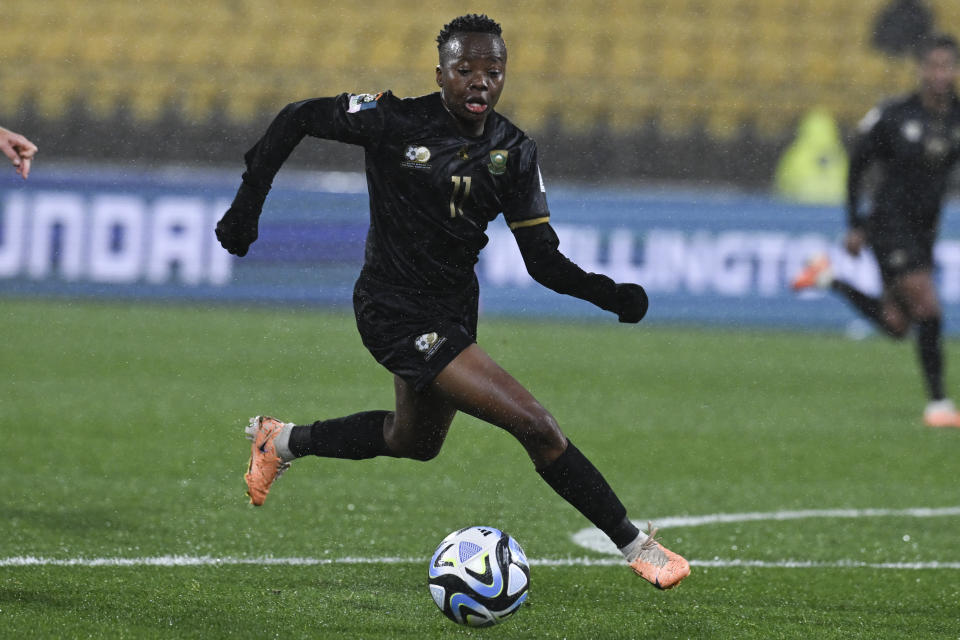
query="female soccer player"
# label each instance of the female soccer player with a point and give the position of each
(916, 139)
(439, 168)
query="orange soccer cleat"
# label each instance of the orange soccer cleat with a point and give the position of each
(656, 564)
(816, 273)
(659, 566)
(265, 464)
(941, 413)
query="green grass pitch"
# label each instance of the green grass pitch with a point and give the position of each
(122, 431)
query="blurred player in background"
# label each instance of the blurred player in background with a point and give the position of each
(916, 140)
(19, 150)
(439, 168)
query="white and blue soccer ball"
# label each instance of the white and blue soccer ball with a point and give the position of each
(478, 576)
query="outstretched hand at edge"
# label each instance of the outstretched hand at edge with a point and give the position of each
(19, 150)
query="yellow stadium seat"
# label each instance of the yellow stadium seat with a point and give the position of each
(16, 87)
(947, 15)
(678, 112)
(54, 47)
(250, 96)
(728, 112)
(149, 98)
(579, 58)
(105, 93)
(54, 92)
(685, 61)
(525, 103)
(197, 96)
(631, 107)
(723, 62)
(15, 46)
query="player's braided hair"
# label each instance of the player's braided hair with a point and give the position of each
(470, 23)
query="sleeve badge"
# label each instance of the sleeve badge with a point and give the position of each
(358, 102)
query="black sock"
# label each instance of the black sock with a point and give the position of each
(869, 306)
(580, 483)
(355, 437)
(931, 355)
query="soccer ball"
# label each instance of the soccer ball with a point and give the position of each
(478, 576)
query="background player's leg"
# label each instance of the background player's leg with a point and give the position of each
(478, 386)
(884, 312)
(919, 294)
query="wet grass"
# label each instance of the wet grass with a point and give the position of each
(123, 423)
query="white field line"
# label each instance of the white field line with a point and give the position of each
(589, 538)
(803, 514)
(594, 539)
(211, 561)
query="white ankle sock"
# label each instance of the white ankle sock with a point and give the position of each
(282, 443)
(632, 550)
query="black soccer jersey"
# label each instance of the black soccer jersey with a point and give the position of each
(432, 193)
(432, 190)
(917, 149)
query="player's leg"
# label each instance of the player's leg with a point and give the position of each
(917, 291)
(419, 425)
(416, 429)
(885, 311)
(474, 384)
(275, 444)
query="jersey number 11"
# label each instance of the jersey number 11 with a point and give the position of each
(456, 198)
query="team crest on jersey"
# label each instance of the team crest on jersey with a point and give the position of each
(428, 343)
(416, 157)
(358, 102)
(498, 162)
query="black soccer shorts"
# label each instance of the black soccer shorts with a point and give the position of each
(898, 254)
(411, 334)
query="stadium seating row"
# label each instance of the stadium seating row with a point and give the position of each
(681, 63)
